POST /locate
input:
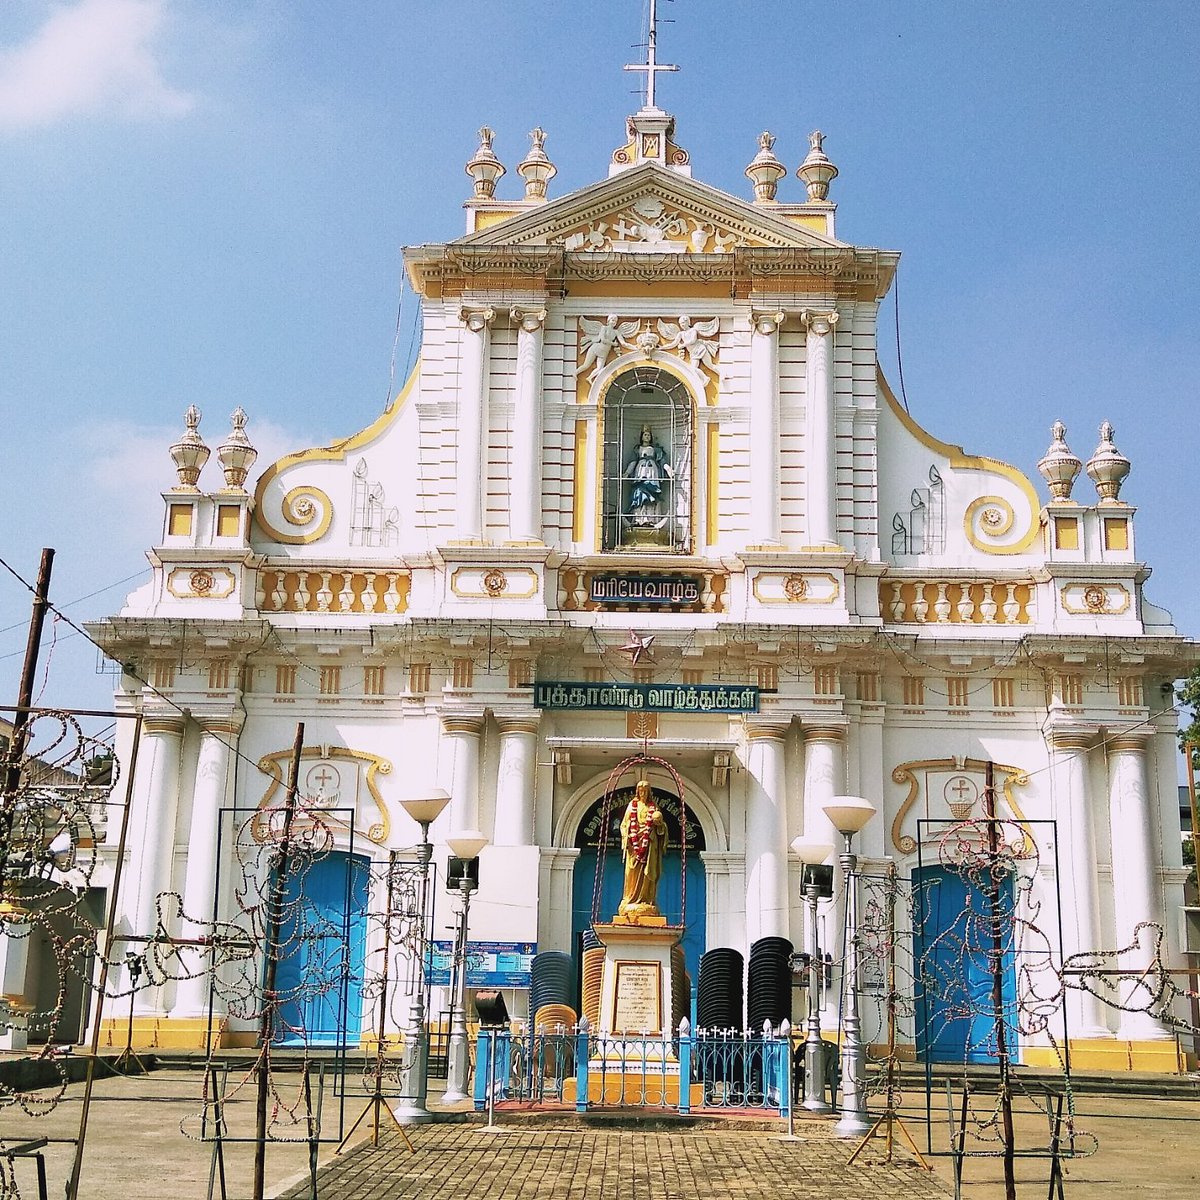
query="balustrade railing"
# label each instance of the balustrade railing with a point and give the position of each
(957, 602)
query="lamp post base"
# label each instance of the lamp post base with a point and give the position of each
(852, 1124)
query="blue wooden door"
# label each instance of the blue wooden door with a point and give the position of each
(953, 953)
(323, 942)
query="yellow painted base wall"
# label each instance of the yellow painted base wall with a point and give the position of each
(614, 1085)
(1111, 1056)
(171, 1033)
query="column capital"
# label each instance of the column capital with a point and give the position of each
(760, 730)
(229, 723)
(1128, 743)
(477, 319)
(1070, 739)
(528, 319)
(163, 724)
(767, 323)
(819, 323)
(823, 733)
(518, 724)
(472, 725)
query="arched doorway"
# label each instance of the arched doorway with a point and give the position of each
(670, 887)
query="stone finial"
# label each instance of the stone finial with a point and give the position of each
(535, 168)
(1108, 467)
(1058, 466)
(235, 454)
(765, 170)
(484, 167)
(190, 453)
(816, 170)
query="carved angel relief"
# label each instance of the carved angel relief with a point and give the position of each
(697, 340)
(648, 225)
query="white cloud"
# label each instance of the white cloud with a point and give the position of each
(93, 57)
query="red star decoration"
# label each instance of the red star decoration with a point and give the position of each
(638, 647)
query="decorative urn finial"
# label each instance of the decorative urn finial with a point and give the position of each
(816, 170)
(190, 453)
(485, 168)
(1108, 467)
(235, 454)
(1058, 466)
(765, 170)
(535, 168)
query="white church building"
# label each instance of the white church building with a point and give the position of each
(647, 490)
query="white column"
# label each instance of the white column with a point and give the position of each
(472, 422)
(462, 736)
(1136, 893)
(820, 441)
(1077, 883)
(525, 481)
(155, 809)
(213, 779)
(823, 776)
(515, 780)
(766, 833)
(764, 429)
(15, 1004)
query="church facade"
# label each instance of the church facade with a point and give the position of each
(647, 492)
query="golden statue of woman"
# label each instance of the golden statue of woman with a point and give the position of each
(643, 843)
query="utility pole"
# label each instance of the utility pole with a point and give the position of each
(20, 732)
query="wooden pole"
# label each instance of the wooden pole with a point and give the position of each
(270, 951)
(20, 722)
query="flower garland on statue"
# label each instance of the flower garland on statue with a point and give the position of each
(639, 834)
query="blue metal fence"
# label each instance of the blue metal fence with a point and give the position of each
(574, 1066)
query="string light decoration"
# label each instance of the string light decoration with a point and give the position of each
(54, 811)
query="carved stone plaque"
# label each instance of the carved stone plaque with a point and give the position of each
(638, 1002)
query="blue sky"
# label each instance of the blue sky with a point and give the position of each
(204, 202)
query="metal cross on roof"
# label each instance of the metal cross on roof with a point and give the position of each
(651, 66)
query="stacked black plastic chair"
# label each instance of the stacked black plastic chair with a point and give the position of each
(719, 997)
(553, 980)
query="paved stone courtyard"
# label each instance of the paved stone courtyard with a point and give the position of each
(454, 1162)
(136, 1151)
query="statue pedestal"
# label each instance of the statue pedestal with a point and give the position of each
(633, 1057)
(635, 992)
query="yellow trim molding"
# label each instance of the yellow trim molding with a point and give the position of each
(961, 460)
(295, 510)
(272, 765)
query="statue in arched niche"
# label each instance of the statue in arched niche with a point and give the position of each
(649, 468)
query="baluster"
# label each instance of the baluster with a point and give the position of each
(966, 605)
(920, 608)
(941, 604)
(279, 597)
(391, 598)
(897, 602)
(988, 605)
(324, 593)
(346, 594)
(303, 591)
(369, 601)
(1011, 606)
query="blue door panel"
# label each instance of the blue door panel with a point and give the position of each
(323, 941)
(953, 952)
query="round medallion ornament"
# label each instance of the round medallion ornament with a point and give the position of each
(1095, 598)
(795, 587)
(495, 582)
(991, 519)
(202, 582)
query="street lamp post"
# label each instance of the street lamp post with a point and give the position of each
(466, 847)
(848, 815)
(813, 855)
(412, 1109)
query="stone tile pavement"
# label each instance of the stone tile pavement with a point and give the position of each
(457, 1162)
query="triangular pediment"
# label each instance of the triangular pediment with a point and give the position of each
(650, 209)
